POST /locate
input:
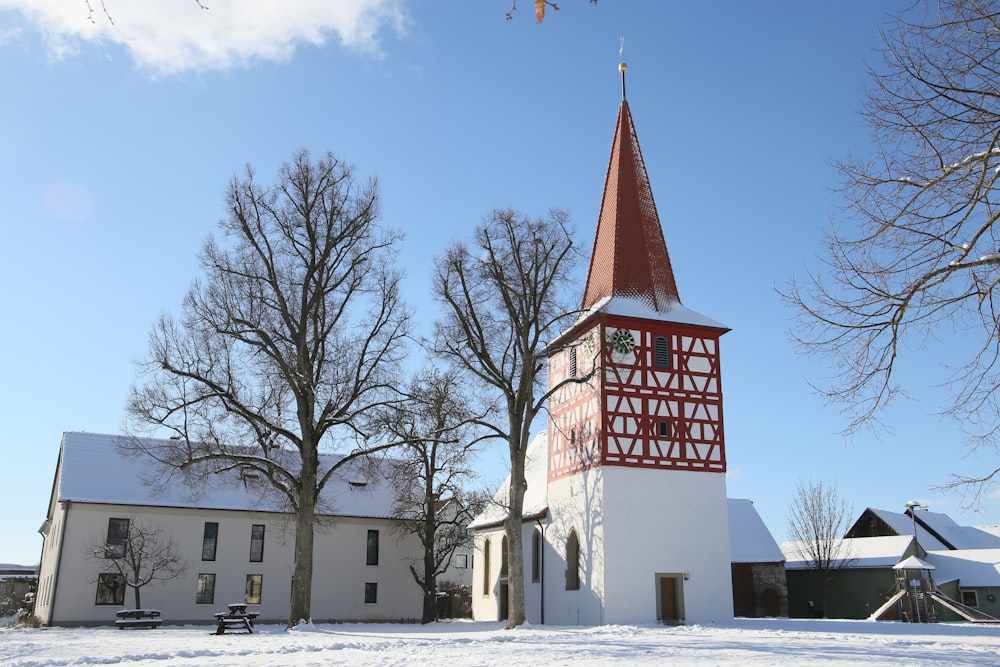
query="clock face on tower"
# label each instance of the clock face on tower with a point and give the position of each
(622, 341)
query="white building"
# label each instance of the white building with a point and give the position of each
(237, 543)
(626, 508)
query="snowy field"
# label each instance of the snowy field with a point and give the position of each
(744, 642)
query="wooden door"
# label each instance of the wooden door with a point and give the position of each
(668, 600)
(743, 597)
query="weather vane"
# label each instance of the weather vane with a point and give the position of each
(622, 67)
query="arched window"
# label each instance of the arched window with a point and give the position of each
(536, 556)
(504, 558)
(661, 352)
(572, 562)
(486, 567)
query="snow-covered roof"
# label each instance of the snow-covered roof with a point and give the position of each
(861, 551)
(639, 308)
(971, 567)
(903, 525)
(11, 568)
(957, 537)
(992, 529)
(94, 469)
(536, 474)
(749, 539)
(912, 563)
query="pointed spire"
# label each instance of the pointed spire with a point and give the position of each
(630, 257)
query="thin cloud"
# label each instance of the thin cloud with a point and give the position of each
(175, 36)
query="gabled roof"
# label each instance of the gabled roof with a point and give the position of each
(912, 563)
(861, 552)
(94, 469)
(882, 523)
(749, 539)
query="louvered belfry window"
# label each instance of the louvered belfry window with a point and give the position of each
(661, 351)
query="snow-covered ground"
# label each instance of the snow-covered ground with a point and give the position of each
(743, 642)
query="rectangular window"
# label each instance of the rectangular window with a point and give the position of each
(664, 429)
(210, 540)
(572, 362)
(206, 589)
(371, 593)
(117, 537)
(970, 598)
(256, 543)
(462, 561)
(110, 589)
(372, 556)
(254, 583)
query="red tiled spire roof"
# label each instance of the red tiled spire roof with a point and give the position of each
(630, 257)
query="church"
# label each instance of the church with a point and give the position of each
(626, 512)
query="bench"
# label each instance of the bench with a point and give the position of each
(138, 618)
(236, 619)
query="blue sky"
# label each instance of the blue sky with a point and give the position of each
(117, 141)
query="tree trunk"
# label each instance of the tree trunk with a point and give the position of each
(138, 605)
(430, 576)
(300, 608)
(430, 597)
(515, 560)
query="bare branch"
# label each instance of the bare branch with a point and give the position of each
(286, 348)
(916, 255)
(502, 302)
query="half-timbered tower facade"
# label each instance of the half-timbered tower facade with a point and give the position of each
(636, 449)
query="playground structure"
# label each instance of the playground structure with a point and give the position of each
(916, 595)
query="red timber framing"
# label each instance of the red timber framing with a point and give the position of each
(649, 416)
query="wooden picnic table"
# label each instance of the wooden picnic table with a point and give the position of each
(138, 618)
(237, 618)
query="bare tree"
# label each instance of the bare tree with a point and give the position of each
(145, 554)
(292, 339)
(817, 520)
(431, 480)
(502, 302)
(917, 257)
(107, 14)
(540, 6)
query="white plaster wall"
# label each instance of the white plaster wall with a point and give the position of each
(634, 523)
(339, 569)
(484, 602)
(340, 573)
(575, 503)
(456, 574)
(666, 521)
(49, 565)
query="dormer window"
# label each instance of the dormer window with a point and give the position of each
(250, 477)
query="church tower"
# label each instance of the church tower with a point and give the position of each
(636, 455)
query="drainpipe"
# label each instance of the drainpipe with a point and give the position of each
(541, 572)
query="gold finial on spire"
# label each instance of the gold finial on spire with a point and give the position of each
(622, 67)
